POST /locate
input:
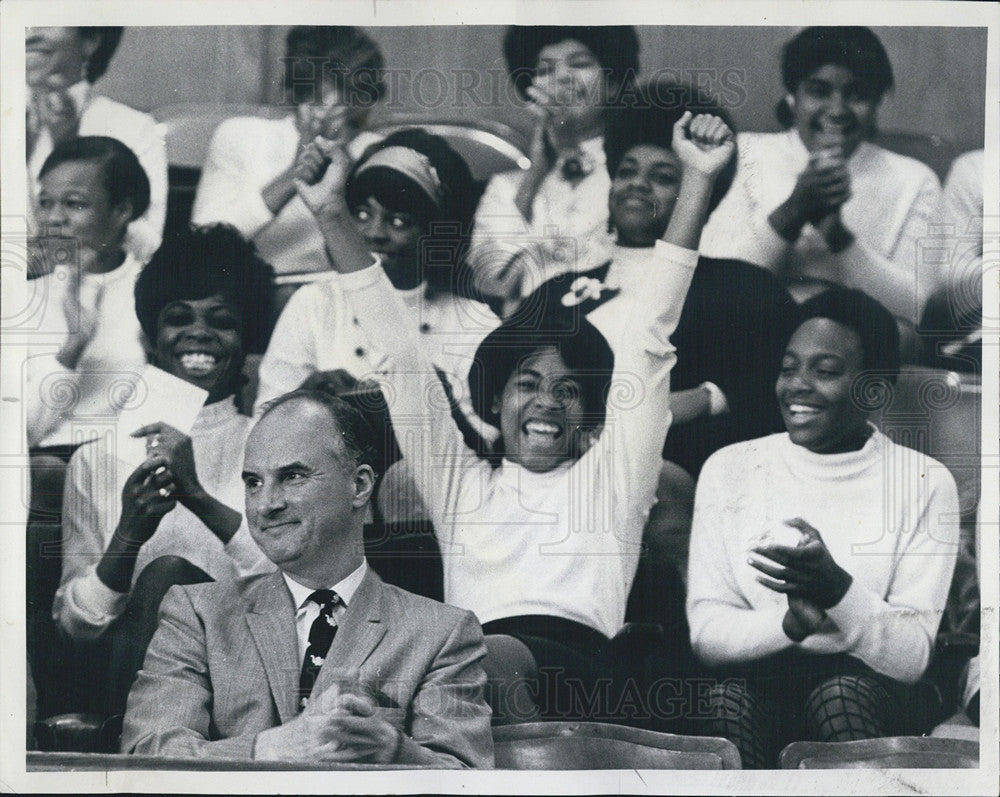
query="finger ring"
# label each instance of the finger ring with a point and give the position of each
(164, 492)
(154, 441)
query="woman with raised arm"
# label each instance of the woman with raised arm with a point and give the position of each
(410, 197)
(820, 204)
(543, 544)
(821, 557)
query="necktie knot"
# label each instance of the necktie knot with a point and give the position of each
(326, 599)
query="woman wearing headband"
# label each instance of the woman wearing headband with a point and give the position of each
(411, 196)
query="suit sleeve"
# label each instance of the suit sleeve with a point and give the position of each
(169, 709)
(450, 725)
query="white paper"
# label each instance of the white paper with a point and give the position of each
(158, 397)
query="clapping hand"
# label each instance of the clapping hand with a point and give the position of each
(174, 448)
(553, 124)
(55, 110)
(321, 171)
(806, 571)
(340, 724)
(147, 496)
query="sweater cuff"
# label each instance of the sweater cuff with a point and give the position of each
(854, 612)
(677, 255)
(96, 602)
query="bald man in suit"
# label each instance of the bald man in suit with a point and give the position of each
(235, 671)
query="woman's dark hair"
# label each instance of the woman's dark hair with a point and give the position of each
(201, 262)
(449, 223)
(107, 42)
(578, 342)
(874, 325)
(616, 47)
(855, 48)
(123, 175)
(346, 55)
(649, 119)
(355, 432)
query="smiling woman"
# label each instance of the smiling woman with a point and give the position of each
(203, 301)
(820, 204)
(813, 590)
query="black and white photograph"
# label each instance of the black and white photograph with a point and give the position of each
(565, 398)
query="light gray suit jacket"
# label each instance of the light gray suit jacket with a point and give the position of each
(224, 666)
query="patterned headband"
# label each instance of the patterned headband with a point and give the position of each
(410, 163)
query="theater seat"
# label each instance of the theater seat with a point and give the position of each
(488, 147)
(596, 745)
(909, 752)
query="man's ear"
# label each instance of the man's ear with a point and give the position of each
(495, 406)
(364, 485)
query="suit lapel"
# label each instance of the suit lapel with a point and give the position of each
(272, 624)
(360, 629)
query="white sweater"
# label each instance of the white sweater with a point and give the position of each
(563, 543)
(246, 153)
(895, 201)
(64, 406)
(83, 605)
(317, 331)
(889, 516)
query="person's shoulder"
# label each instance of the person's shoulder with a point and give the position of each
(106, 108)
(224, 596)
(901, 167)
(248, 131)
(422, 612)
(920, 466)
(740, 457)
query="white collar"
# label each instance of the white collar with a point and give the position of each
(345, 589)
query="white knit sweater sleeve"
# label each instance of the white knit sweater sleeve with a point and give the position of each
(725, 629)
(894, 634)
(229, 190)
(291, 355)
(428, 438)
(83, 606)
(905, 278)
(638, 407)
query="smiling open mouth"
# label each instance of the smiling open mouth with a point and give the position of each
(198, 363)
(548, 431)
(802, 411)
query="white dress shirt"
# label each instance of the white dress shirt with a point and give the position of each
(306, 611)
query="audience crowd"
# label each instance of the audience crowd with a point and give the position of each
(624, 391)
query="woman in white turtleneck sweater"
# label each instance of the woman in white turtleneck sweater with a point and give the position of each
(821, 558)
